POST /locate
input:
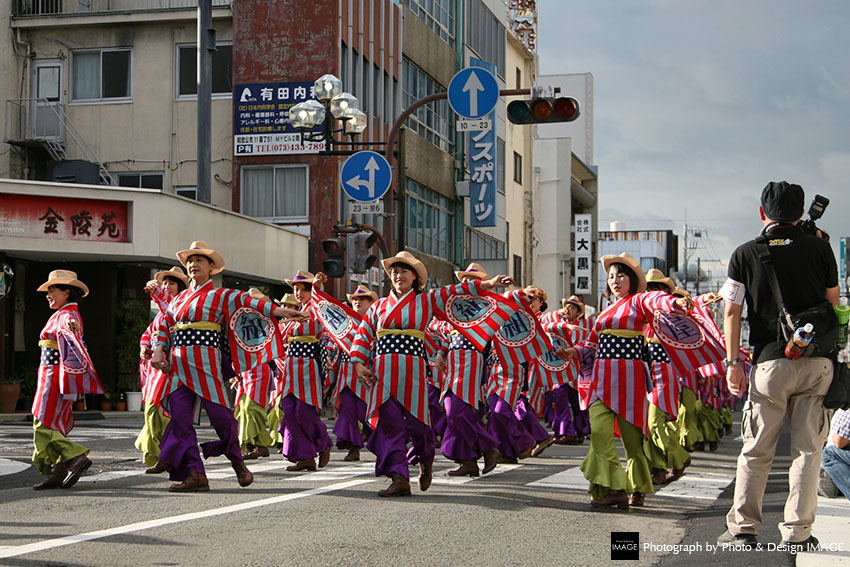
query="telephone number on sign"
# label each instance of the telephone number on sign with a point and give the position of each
(277, 148)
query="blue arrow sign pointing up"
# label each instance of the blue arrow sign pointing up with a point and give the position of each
(473, 92)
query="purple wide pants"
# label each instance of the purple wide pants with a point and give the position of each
(304, 434)
(528, 420)
(438, 414)
(389, 440)
(351, 413)
(581, 419)
(179, 445)
(504, 426)
(465, 438)
(562, 422)
(549, 410)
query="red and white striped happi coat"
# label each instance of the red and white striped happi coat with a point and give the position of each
(255, 384)
(465, 366)
(346, 377)
(153, 380)
(691, 380)
(302, 376)
(621, 383)
(51, 406)
(665, 394)
(199, 367)
(401, 376)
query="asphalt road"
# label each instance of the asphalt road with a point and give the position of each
(534, 513)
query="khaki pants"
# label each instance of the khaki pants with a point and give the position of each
(780, 387)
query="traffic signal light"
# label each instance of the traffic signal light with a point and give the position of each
(334, 264)
(543, 110)
(361, 257)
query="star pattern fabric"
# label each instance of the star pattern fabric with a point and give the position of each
(401, 344)
(612, 346)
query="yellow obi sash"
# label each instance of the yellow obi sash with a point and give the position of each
(302, 339)
(199, 325)
(415, 333)
(623, 333)
(46, 343)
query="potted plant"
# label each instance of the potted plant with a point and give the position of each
(10, 390)
(106, 402)
(121, 404)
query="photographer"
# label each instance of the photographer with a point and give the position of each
(806, 273)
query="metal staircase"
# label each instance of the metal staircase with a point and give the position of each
(20, 129)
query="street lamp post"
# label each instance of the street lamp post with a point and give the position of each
(333, 105)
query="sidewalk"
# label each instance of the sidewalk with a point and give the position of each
(832, 528)
(78, 415)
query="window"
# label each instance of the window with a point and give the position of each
(438, 14)
(222, 70)
(276, 194)
(102, 75)
(485, 34)
(517, 168)
(517, 269)
(483, 247)
(430, 222)
(434, 121)
(140, 179)
(188, 191)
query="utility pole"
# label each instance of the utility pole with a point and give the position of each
(206, 45)
(698, 261)
(685, 254)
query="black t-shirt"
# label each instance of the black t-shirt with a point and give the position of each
(805, 268)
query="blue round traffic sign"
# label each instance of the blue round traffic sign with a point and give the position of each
(473, 92)
(366, 176)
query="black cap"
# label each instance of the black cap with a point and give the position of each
(783, 201)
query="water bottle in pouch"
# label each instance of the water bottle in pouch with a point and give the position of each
(842, 311)
(799, 341)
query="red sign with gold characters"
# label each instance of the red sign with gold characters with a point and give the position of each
(63, 218)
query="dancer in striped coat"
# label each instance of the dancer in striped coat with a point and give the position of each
(252, 393)
(191, 334)
(570, 423)
(466, 439)
(163, 289)
(398, 403)
(668, 459)
(350, 394)
(619, 386)
(275, 413)
(64, 374)
(304, 434)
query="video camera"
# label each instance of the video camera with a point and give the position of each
(816, 210)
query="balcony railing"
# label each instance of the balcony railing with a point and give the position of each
(30, 8)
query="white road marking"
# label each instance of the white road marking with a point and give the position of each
(9, 466)
(705, 486)
(14, 551)
(442, 476)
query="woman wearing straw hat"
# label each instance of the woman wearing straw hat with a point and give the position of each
(668, 458)
(60, 382)
(275, 413)
(252, 392)
(304, 435)
(398, 403)
(350, 394)
(619, 386)
(466, 439)
(191, 334)
(163, 289)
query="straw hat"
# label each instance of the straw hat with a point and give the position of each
(405, 257)
(288, 299)
(301, 276)
(474, 270)
(201, 248)
(574, 300)
(657, 276)
(363, 291)
(64, 277)
(174, 272)
(679, 292)
(257, 294)
(626, 258)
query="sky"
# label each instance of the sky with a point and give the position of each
(699, 104)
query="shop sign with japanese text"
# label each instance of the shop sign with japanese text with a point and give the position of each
(62, 218)
(482, 153)
(261, 119)
(583, 253)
